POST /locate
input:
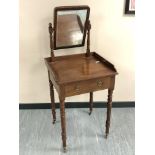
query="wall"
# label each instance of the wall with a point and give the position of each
(111, 36)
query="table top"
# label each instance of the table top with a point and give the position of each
(78, 67)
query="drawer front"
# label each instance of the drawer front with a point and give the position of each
(88, 86)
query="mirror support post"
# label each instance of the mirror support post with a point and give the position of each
(88, 27)
(51, 30)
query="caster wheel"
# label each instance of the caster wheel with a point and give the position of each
(64, 149)
(54, 121)
(106, 136)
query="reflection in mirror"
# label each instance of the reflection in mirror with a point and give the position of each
(70, 27)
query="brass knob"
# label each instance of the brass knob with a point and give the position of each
(99, 83)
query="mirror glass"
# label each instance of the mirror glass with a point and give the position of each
(70, 28)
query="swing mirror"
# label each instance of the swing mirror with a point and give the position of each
(70, 26)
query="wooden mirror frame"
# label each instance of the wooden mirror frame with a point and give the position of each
(65, 8)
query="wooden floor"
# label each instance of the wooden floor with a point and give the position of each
(85, 134)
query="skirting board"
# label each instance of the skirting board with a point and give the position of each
(76, 105)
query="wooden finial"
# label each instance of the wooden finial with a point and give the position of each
(51, 29)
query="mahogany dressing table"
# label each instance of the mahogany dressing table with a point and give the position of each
(79, 73)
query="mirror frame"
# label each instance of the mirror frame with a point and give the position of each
(65, 8)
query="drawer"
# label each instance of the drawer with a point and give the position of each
(87, 86)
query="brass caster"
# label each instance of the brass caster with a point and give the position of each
(54, 121)
(106, 136)
(64, 149)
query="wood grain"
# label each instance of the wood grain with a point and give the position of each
(91, 103)
(52, 98)
(79, 67)
(63, 122)
(109, 106)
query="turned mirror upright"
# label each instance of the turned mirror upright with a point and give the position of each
(78, 73)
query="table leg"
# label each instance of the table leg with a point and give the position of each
(52, 99)
(109, 106)
(91, 103)
(63, 123)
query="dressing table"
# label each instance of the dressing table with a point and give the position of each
(78, 73)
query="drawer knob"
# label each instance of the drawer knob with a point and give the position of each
(99, 83)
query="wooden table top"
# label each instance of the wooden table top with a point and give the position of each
(79, 67)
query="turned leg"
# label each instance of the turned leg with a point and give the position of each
(109, 106)
(63, 123)
(91, 103)
(52, 99)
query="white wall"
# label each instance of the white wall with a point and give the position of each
(111, 36)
